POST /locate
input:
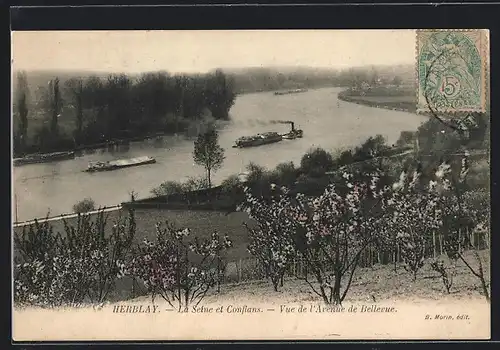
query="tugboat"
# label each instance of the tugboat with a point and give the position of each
(43, 158)
(294, 133)
(258, 140)
(119, 164)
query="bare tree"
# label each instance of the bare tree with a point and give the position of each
(76, 87)
(56, 102)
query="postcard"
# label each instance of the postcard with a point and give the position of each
(251, 185)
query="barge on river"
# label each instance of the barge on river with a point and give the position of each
(119, 164)
(43, 158)
(295, 91)
(269, 137)
(258, 140)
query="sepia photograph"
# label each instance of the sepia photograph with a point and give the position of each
(250, 184)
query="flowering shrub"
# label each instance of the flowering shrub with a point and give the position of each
(411, 217)
(416, 210)
(271, 240)
(79, 266)
(337, 227)
(460, 215)
(329, 232)
(181, 271)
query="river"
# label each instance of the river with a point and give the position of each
(53, 188)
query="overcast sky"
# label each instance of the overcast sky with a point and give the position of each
(201, 51)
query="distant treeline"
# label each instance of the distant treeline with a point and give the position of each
(269, 79)
(82, 111)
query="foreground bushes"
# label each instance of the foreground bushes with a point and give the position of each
(84, 206)
(80, 265)
(168, 188)
(178, 269)
(83, 264)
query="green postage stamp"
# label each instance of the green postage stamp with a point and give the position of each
(452, 70)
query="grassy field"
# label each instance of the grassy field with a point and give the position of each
(201, 223)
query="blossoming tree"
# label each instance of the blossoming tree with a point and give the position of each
(271, 238)
(79, 265)
(329, 232)
(460, 217)
(417, 210)
(179, 270)
(412, 215)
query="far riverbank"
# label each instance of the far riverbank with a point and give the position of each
(386, 98)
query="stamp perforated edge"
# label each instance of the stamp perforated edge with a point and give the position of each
(485, 68)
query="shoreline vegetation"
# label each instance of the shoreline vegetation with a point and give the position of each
(388, 97)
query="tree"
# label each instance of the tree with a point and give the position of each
(231, 185)
(84, 206)
(406, 138)
(118, 104)
(346, 157)
(271, 240)
(374, 78)
(219, 94)
(285, 173)
(459, 217)
(179, 269)
(56, 103)
(397, 81)
(168, 188)
(373, 147)
(316, 162)
(412, 218)
(330, 231)
(22, 109)
(208, 153)
(76, 88)
(81, 265)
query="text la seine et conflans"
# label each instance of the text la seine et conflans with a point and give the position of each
(230, 309)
